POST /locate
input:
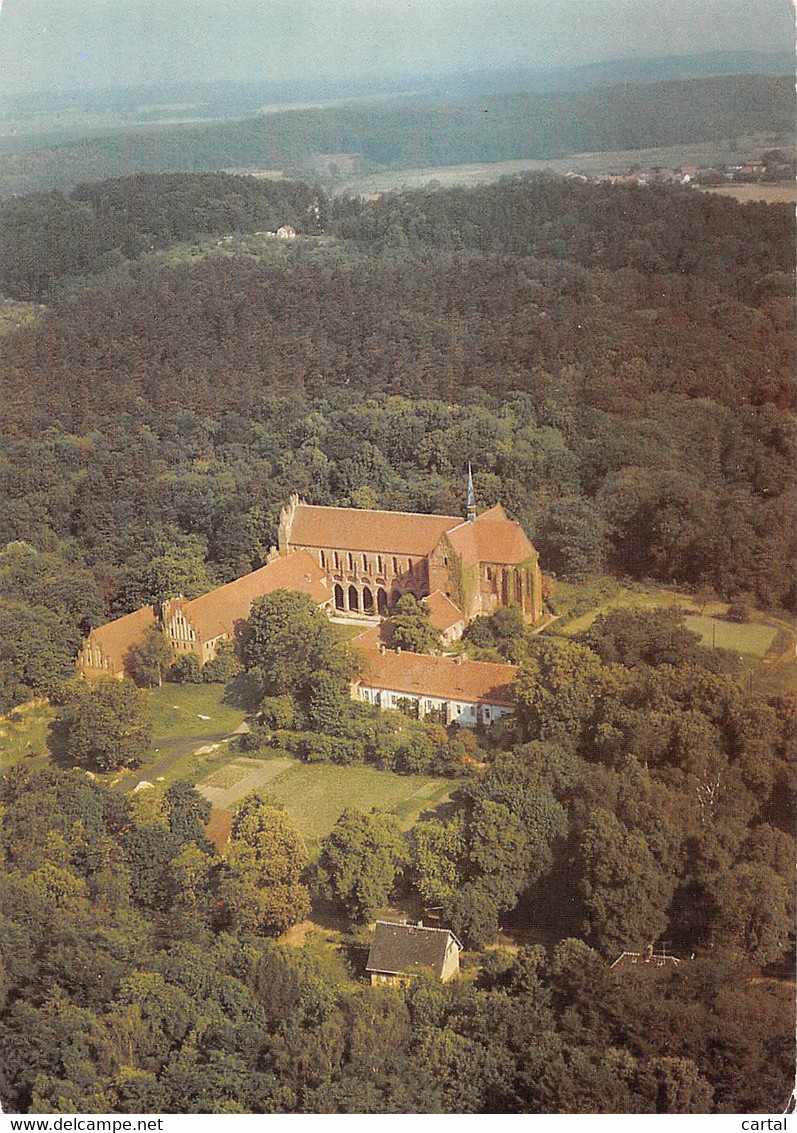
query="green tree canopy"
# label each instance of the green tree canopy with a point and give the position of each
(103, 726)
(149, 658)
(410, 627)
(360, 858)
(262, 889)
(626, 892)
(288, 639)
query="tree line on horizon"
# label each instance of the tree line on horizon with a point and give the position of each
(494, 127)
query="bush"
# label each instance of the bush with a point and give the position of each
(186, 670)
(224, 667)
(739, 611)
(279, 712)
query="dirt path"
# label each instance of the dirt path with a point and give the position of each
(228, 785)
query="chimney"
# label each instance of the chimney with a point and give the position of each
(420, 924)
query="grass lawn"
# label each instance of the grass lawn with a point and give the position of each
(191, 712)
(625, 597)
(184, 718)
(24, 731)
(348, 632)
(754, 637)
(315, 794)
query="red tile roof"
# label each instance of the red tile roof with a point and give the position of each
(491, 538)
(116, 637)
(424, 674)
(217, 612)
(353, 529)
(374, 636)
(443, 613)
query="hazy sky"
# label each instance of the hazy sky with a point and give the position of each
(60, 44)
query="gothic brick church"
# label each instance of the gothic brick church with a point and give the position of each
(354, 563)
(371, 558)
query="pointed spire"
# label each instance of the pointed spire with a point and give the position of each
(471, 497)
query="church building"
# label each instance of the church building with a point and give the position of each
(371, 558)
(357, 563)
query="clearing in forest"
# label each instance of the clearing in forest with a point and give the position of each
(314, 795)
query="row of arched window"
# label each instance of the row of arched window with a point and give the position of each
(364, 601)
(367, 563)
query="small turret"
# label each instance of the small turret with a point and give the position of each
(471, 497)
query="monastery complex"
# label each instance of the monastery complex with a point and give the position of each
(356, 564)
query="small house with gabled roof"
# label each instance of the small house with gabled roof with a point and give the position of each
(400, 950)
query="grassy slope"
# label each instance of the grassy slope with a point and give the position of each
(315, 795)
(177, 712)
(24, 732)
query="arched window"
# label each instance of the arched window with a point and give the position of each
(368, 601)
(354, 599)
(395, 565)
(339, 604)
(351, 561)
(381, 602)
(337, 560)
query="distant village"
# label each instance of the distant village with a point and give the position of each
(772, 167)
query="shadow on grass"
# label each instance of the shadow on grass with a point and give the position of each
(244, 692)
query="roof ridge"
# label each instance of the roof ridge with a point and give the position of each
(453, 660)
(410, 924)
(382, 511)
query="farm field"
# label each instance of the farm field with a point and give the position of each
(725, 152)
(315, 795)
(770, 194)
(755, 637)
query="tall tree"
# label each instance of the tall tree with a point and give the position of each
(360, 859)
(410, 627)
(262, 889)
(103, 726)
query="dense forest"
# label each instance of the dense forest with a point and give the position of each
(617, 365)
(140, 971)
(427, 132)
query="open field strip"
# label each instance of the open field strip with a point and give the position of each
(315, 795)
(769, 193)
(753, 637)
(710, 153)
(232, 782)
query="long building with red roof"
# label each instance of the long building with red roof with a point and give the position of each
(355, 563)
(451, 690)
(371, 558)
(197, 625)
